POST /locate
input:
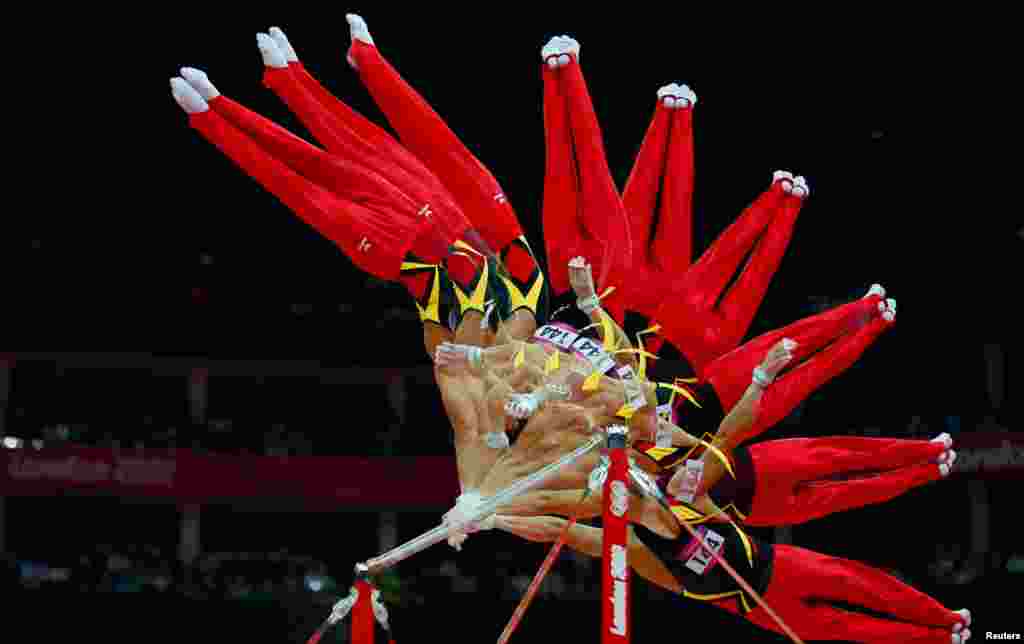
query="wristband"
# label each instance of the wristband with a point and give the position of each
(761, 378)
(469, 496)
(476, 357)
(496, 440)
(554, 391)
(691, 481)
(588, 304)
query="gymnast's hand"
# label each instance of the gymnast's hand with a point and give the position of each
(455, 356)
(465, 507)
(686, 481)
(581, 278)
(778, 357)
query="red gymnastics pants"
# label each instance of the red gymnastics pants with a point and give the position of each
(375, 222)
(827, 344)
(800, 479)
(583, 214)
(350, 136)
(698, 315)
(803, 583)
(471, 184)
(658, 199)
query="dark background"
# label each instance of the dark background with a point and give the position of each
(165, 249)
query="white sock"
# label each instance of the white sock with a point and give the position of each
(786, 178)
(572, 46)
(889, 314)
(965, 615)
(676, 96)
(668, 93)
(200, 82)
(876, 289)
(282, 44)
(800, 187)
(357, 29)
(272, 55)
(187, 97)
(558, 49)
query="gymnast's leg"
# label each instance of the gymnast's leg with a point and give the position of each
(801, 479)
(688, 318)
(658, 199)
(730, 373)
(597, 226)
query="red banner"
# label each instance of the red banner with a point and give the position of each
(189, 477)
(995, 455)
(614, 554)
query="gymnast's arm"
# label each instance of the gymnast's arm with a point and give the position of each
(582, 280)
(588, 540)
(463, 397)
(742, 416)
(643, 509)
(479, 361)
(644, 425)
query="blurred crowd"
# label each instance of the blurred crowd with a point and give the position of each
(151, 569)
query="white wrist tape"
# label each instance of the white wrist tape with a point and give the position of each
(691, 480)
(761, 377)
(553, 391)
(476, 357)
(588, 304)
(469, 497)
(496, 440)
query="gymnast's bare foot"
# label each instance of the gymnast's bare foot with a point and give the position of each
(560, 51)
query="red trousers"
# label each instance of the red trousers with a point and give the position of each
(698, 314)
(827, 344)
(348, 135)
(658, 199)
(793, 475)
(583, 214)
(430, 139)
(375, 222)
(803, 581)
(471, 184)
